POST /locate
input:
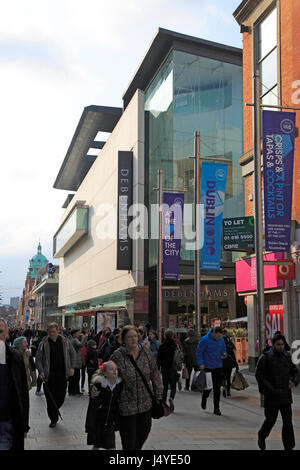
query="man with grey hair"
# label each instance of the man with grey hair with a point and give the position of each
(14, 396)
(55, 361)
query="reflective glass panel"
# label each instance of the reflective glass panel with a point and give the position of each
(271, 97)
(207, 97)
(268, 71)
(68, 229)
(267, 34)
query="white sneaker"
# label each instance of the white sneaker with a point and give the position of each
(40, 393)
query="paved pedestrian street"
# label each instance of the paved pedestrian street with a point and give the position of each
(189, 428)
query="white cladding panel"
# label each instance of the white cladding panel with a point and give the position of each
(89, 269)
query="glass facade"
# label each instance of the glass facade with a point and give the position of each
(72, 230)
(266, 57)
(192, 93)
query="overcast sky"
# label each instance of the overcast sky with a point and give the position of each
(56, 57)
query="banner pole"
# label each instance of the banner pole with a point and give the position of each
(159, 257)
(197, 271)
(260, 301)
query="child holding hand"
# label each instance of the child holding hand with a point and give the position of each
(102, 414)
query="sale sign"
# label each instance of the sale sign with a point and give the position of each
(274, 319)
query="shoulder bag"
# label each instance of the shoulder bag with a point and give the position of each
(159, 408)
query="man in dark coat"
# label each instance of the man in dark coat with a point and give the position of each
(55, 361)
(189, 347)
(14, 396)
(276, 376)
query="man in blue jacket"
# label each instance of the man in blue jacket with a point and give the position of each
(210, 352)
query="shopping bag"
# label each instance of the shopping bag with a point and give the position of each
(239, 382)
(199, 381)
(209, 383)
(185, 373)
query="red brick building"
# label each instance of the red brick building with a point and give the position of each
(271, 43)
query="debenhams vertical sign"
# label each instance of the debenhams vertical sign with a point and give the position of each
(124, 243)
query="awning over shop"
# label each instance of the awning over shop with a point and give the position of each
(92, 312)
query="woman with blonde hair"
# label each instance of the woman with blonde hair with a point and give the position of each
(103, 411)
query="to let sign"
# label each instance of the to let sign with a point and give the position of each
(238, 233)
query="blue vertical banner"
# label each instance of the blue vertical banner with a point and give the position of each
(172, 232)
(278, 164)
(213, 186)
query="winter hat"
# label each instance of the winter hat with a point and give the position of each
(91, 343)
(18, 341)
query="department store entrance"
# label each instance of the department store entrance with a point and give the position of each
(218, 303)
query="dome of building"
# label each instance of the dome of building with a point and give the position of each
(37, 262)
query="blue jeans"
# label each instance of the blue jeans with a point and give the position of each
(6, 435)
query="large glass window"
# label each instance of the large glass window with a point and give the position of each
(71, 231)
(200, 94)
(266, 57)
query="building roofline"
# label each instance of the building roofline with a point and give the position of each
(243, 11)
(75, 164)
(162, 43)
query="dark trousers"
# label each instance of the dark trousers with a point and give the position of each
(38, 384)
(83, 369)
(271, 413)
(189, 369)
(216, 375)
(227, 378)
(57, 387)
(134, 430)
(73, 387)
(169, 377)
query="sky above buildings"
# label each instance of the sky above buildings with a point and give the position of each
(56, 57)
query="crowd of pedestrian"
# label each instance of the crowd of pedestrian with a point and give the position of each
(126, 370)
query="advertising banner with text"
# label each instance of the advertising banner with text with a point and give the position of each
(278, 162)
(213, 185)
(171, 236)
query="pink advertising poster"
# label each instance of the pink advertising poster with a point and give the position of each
(246, 273)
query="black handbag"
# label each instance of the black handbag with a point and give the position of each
(159, 408)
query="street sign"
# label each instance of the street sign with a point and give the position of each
(238, 233)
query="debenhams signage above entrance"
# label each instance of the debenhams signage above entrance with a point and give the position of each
(208, 292)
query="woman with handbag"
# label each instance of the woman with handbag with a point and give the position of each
(137, 368)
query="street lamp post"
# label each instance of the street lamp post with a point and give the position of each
(197, 271)
(159, 258)
(260, 302)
